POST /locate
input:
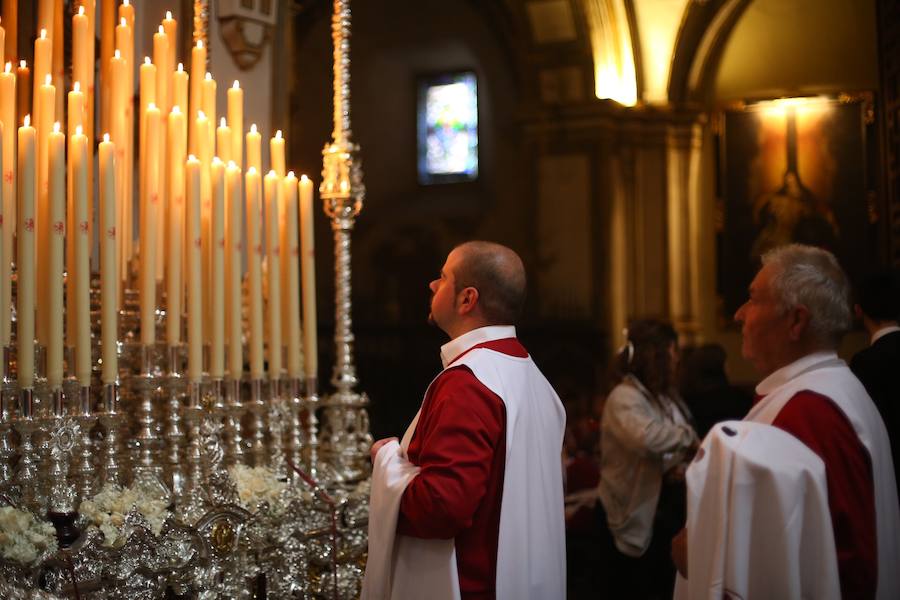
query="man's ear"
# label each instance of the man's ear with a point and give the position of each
(799, 322)
(466, 300)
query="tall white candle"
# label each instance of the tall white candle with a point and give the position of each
(47, 108)
(56, 215)
(254, 149)
(109, 259)
(25, 256)
(209, 108)
(308, 264)
(201, 126)
(80, 277)
(193, 244)
(236, 122)
(276, 151)
(125, 45)
(234, 224)
(149, 212)
(164, 70)
(290, 281)
(8, 174)
(180, 89)
(217, 271)
(119, 137)
(177, 148)
(223, 141)
(76, 122)
(254, 271)
(198, 68)
(272, 184)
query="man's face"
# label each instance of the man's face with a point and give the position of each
(766, 326)
(443, 295)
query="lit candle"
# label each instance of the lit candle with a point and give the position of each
(149, 214)
(80, 32)
(177, 148)
(25, 256)
(201, 127)
(148, 96)
(164, 70)
(217, 268)
(170, 27)
(290, 265)
(117, 68)
(43, 48)
(8, 174)
(46, 108)
(308, 270)
(272, 184)
(109, 258)
(254, 149)
(254, 272)
(75, 122)
(80, 275)
(126, 13)
(195, 286)
(233, 236)
(198, 68)
(180, 88)
(125, 44)
(223, 141)
(236, 122)
(53, 269)
(276, 149)
(83, 64)
(23, 91)
(107, 46)
(209, 108)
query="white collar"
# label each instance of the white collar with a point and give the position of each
(883, 332)
(788, 372)
(457, 346)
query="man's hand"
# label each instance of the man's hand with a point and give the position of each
(679, 552)
(377, 446)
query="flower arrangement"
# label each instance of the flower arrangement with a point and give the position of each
(24, 538)
(108, 509)
(259, 484)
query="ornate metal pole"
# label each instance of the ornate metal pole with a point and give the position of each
(201, 26)
(342, 193)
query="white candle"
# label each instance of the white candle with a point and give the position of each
(234, 223)
(195, 286)
(272, 184)
(76, 122)
(56, 214)
(223, 141)
(148, 96)
(236, 122)
(254, 149)
(290, 265)
(254, 272)
(25, 256)
(217, 269)
(177, 148)
(180, 88)
(80, 276)
(276, 149)
(209, 108)
(170, 27)
(163, 101)
(109, 258)
(8, 174)
(118, 125)
(47, 108)
(308, 264)
(83, 49)
(43, 48)
(201, 126)
(125, 44)
(149, 212)
(198, 68)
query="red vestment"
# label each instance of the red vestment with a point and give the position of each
(816, 421)
(460, 446)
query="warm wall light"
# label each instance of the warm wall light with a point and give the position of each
(780, 106)
(614, 73)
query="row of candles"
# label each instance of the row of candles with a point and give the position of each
(192, 194)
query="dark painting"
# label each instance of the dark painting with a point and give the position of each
(792, 171)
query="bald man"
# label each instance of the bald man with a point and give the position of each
(470, 503)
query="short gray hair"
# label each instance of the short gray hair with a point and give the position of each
(812, 277)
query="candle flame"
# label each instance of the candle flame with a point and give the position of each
(106, 137)
(251, 170)
(81, 10)
(278, 134)
(232, 165)
(126, 2)
(56, 127)
(216, 160)
(27, 121)
(79, 130)
(208, 76)
(43, 34)
(304, 178)
(181, 66)
(236, 85)
(253, 128)
(161, 30)
(122, 22)
(48, 80)
(271, 173)
(168, 15)
(176, 109)
(118, 54)
(22, 64)
(192, 158)
(76, 87)
(291, 174)
(8, 67)
(222, 122)
(201, 114)
(151, 106)
(147, 60)
(200, 43)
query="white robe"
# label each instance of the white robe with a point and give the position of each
(826, 374)
(758, 519)
(531, 554)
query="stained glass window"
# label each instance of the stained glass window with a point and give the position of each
(448, 128)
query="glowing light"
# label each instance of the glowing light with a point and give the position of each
(106, 137)
(236, 85)
(614, 71)
(76, 87)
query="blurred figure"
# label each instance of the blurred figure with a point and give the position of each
(706, 390)
(646, 440)
(878, 305)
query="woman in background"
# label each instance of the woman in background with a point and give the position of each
(646, 442)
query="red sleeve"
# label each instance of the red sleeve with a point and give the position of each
(817, 422)
(457, 435)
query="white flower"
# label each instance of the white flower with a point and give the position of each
(112, 504)
(23, 538)
(259, 484)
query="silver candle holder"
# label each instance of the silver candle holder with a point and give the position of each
(110, 469)
(175, 385)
